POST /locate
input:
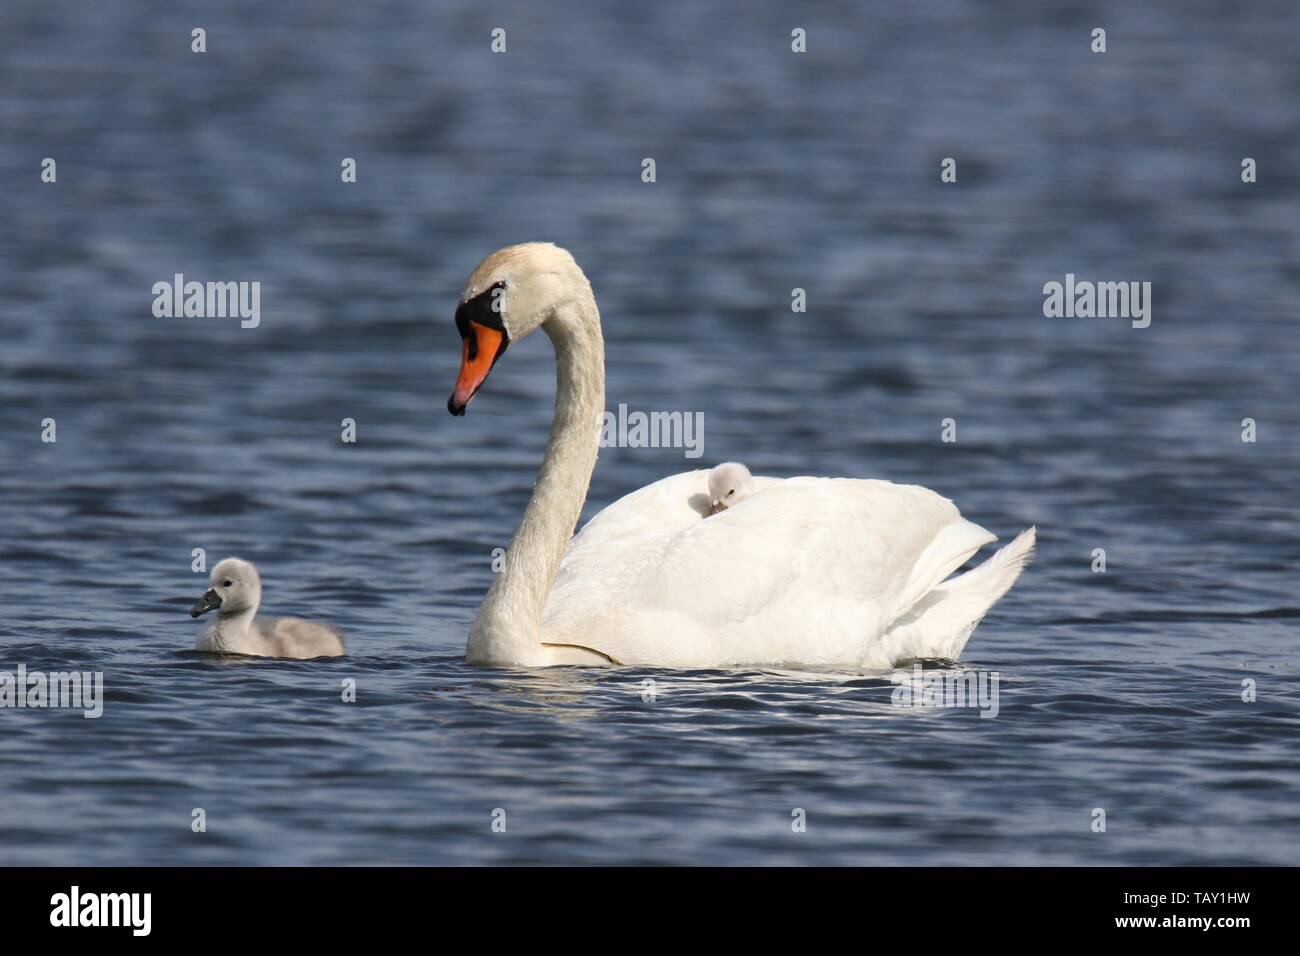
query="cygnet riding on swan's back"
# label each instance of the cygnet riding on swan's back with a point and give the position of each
(235, 591)
(729, 484)
(811, 571)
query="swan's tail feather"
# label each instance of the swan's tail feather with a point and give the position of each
(994, 577)
(941, 624)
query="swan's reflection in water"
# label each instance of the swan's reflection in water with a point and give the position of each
(578, 694)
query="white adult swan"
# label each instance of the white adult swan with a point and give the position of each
(812, 571)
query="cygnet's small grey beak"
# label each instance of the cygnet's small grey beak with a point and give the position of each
(211, 599)
(715, 507)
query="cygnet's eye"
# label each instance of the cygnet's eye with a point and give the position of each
(731, 492)
(226, 584)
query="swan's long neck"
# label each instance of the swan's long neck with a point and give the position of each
(508, 628)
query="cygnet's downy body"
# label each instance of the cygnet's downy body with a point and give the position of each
(235, 592)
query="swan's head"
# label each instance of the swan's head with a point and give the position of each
(234, 586)
(508, 296)
(729, 484)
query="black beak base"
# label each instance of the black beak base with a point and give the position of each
(210, 600)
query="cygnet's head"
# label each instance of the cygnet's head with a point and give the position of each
(233, 587)
(508, 296)
(729, 484)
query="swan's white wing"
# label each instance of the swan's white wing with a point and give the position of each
(813, 570)
(617, 547)
(669, 504)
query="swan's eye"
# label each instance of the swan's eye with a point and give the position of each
(731, 492)
(485, 310)
(226, 584)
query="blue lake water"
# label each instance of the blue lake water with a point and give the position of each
(1119, 690)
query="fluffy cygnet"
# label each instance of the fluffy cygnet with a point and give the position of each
(729, 484)
(234, 592)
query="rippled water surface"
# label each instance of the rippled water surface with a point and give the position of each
(1120, 691)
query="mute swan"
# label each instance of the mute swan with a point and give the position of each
(235, 591)
(729, 484)
(813, 571)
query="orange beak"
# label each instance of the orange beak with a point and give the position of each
(480, 350)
